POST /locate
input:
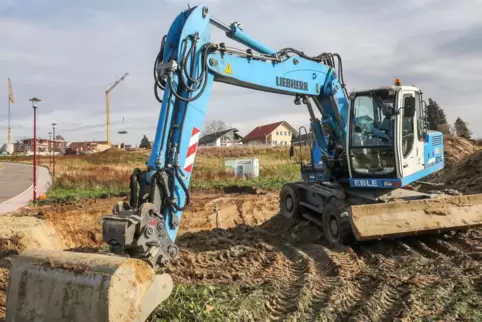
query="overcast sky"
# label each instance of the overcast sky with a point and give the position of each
(68, 52)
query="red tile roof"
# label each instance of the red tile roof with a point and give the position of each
(260, 132)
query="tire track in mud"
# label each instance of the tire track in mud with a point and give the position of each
(307, 281)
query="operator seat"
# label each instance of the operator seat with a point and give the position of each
(387, 123)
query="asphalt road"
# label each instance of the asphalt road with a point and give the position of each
(14, 179)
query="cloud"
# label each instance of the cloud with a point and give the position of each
(68, 55)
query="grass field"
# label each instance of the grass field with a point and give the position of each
(107, 174)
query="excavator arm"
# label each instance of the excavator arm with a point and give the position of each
(187, 66)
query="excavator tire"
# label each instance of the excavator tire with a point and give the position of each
(336, 223)
(55, 285)
(289, 201)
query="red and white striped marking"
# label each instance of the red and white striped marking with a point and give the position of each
(191, 150)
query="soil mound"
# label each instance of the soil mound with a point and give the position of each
(456, 150)
(465, 176)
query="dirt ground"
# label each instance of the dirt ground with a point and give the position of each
(456, 150)
(238, 238)
(407, 278)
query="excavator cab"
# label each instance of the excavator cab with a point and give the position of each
(389, 147)
(389, 144)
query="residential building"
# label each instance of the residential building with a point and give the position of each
(227, 137)
(274, 134)
(88, 147)
(43, 145)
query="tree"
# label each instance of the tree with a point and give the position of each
(436, 117)
(461, 129)
(145, 143)
(214, 126)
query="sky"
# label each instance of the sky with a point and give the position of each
(68, 52)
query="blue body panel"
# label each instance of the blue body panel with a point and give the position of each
(433, 157)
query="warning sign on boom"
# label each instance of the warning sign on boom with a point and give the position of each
(228, 69)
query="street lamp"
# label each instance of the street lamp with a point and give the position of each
(50, 149)
(34, 101)
(53, 156)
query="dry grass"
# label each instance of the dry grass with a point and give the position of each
(107, 174)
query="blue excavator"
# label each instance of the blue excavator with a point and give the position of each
(367, 148)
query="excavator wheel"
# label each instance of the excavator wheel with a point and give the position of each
(336, 224)
(289, 202)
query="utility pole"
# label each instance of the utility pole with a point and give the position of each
(11, 99)
(107, 104)
(53, 156)
(34, 101)
(50, 150)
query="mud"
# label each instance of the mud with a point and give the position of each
(404, 279)
(378, 281)
(466, 176)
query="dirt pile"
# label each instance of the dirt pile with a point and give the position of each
(456, 149)
(403, 280)
(465, 176)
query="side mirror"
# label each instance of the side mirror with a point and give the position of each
(409, 106)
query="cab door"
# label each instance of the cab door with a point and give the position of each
(411, 143)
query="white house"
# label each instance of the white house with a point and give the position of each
(223, 138)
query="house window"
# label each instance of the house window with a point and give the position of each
(274, 142)
(286, 133)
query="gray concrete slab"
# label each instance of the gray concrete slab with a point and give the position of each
(16, 185)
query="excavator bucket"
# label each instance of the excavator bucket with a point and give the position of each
(55, 285)
(417, 217)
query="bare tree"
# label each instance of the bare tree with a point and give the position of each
(214, 126)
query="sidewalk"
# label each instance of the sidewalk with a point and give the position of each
(44, 180)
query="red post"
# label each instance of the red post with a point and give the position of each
(53, 156)
(34, 101)
(34, 153)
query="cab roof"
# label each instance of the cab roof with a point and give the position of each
(394, 87)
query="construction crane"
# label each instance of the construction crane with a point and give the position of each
(11, 99)
(367, 146)
(107, 104)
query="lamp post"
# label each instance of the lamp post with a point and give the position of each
(53, 156)
(34, 101)
(50, 149)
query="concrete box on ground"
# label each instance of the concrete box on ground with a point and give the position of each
(242, 167)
